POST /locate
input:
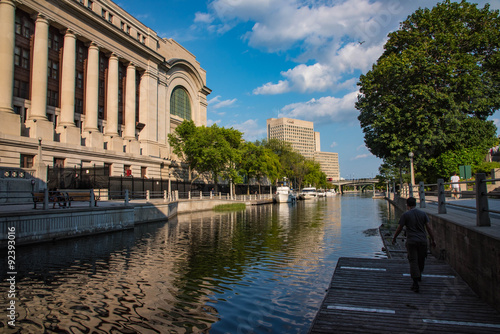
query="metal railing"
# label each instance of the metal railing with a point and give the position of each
(479, 192)
(65, 197)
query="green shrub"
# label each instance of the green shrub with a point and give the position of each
(486, 167)
(230, 207)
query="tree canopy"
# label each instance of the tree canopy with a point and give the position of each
(211, 149)
(434, 87)
(223, 153)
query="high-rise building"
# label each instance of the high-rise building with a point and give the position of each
(329, 163)
(302, 137)
(300, 134)
(93, 86)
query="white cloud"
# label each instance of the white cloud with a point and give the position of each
(203, 18)
(327, 109)
(334, 144)
(271, 89)
(216, 103)
(211, 122)
(328, 76)
(361, 147)
(361, 156)
(251, 130)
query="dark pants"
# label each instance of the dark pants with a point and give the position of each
(417, 252)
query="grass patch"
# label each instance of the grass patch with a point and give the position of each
(230, 207)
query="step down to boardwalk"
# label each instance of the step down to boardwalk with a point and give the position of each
(374, 296)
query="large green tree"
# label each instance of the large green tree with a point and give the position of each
(211, 149)
(434, 87)
(259, 162)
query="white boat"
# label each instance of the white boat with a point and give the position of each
(284, 195)
(321, 193)
(331, 193)
(308, 193)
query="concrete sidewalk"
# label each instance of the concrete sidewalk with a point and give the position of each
(463, 212)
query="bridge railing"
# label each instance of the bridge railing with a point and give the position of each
(438, 193)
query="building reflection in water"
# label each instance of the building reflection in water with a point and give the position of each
(265, 266)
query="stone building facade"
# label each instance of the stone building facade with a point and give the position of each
(84, 83)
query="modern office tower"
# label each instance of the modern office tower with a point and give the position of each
(301, 135)
(84, 83)
(329, 163)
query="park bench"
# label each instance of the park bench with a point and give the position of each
(81, 197)
(55, 197)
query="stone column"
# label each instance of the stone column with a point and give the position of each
(148, 113)
(68, 83)
(130, 101)
(93, 138)
(10, 121)
(115, 142)
(162, 118)
(112, 98)
(66, 126)
(131, 142)
(92, 89)
(39, 126)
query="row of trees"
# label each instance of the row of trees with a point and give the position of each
(432, 91)
(223, 154)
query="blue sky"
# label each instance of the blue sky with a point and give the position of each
(285, 58)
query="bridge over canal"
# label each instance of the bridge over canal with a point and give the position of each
(358, 184)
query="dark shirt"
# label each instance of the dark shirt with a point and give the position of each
(415, 221)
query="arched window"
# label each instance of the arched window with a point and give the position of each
(180, 104)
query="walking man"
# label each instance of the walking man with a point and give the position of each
(455, 187)
(416, 222)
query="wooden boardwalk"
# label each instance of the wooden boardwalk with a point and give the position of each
(374, 296)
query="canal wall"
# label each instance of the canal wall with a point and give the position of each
(33, 226)
(469, 250)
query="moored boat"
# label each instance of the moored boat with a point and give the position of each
(331, 193)
(308, 193)
(284, 195)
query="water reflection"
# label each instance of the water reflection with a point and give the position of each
(262, 270)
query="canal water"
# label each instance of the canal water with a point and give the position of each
(261, 270)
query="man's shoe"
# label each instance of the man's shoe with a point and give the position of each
(415, 287)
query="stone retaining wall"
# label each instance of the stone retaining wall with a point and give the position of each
(48, 225)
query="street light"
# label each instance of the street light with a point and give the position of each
(411, 173)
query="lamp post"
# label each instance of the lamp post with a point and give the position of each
(411, 173)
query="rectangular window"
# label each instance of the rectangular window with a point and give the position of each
(59, 162)
(79, 80)
(103, 13)
(17, 56)
(25, 60)
(81, 54)
(101, 112)
(101, 87)
(53, 41)
(110, 18)
(90, 4)
(79, 106)
(52, 98)
(27, 29)
(53, 72)
(26, 161)
(21, 89)
(143, 172)
(107, 169)
(18, 25)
